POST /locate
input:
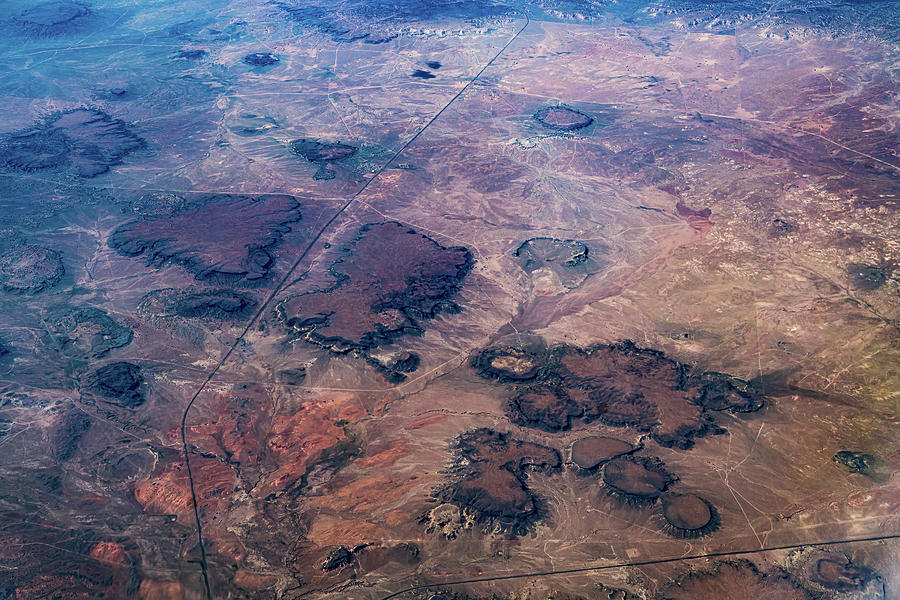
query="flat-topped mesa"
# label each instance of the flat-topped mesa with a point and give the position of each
(588, 454)
(734, 580)
(636, 480)
(619, 384)
(562, 118)
(390, 282)
(229, 239)
(85, 141)
(688, 515)
(493, 469)
(30, 269)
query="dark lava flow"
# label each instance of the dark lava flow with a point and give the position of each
(51, 19)
(570, 260)
(321, 154)
(87, 141)
(734, 580)
(390, 281)
(492, 469)
(229, 240)
(590, 453)
(212, 304)
(88, 332)
(620, 385)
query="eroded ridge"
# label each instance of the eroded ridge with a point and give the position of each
(86, 141)
(620, 385)
(492, 470)
(735, 580)
(209, 304)
(228, 240)
(389, 283)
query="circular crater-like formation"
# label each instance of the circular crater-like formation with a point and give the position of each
(688, 515)
(30, 269)
(508, 364)
(88, 332)
(832, 574)
(120, 382)
(562, 118)
(591, 452)
(543, 407)
(260, 59)
(49, 19)
(124, 465)
(637, 481)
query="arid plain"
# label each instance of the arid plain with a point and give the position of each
(455, 301)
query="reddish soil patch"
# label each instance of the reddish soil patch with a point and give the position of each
(494, 468)
(589, 453)
(698, 219)
(638, 481)
(50, 560)
(228, 240)
(688, 515)
(390, 282)
(169, 490)
(738, 580)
